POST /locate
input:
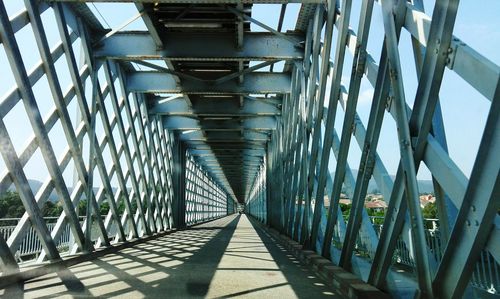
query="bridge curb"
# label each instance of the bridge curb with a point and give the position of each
(346, 283)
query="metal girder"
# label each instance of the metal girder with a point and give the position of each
(138, 45)
(11, 48)
(146, 18)
(225, 136)
(473, 67)
(207, 149)
(336, 76)
(221, 146)
(190, 123)
(237, 165)
(476, 215)
(342, 167)
(196, 1)
(231, 159)
(255, 83)
(213, 107)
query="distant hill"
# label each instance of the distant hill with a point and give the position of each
(424, 186)
(35, 185)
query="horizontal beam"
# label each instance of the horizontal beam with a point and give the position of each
(206, 150)
(228, 164)
(226, 136)
(200, 46)
(255, 83)
(231, 158)
(236, 172)
(222, 146)
(194, 1)
(213, 107)
(234, 165)
(190, 123)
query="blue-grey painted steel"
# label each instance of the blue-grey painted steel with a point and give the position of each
(255, 83)
(197, 1)
(192, 46)
(209, 128)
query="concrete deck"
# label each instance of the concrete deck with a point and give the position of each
(228, 257)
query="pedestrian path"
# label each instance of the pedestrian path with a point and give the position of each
(228, 257)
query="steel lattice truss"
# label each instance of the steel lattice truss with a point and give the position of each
(121, 155)
(179, 122)
(298, 159)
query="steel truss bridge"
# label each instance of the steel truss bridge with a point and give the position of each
(197, 115)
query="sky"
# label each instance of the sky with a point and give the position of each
(464, 109)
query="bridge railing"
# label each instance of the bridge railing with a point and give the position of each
(205, 198)
(486, 275)
(31, 247)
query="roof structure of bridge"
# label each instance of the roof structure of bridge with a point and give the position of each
(208, 76)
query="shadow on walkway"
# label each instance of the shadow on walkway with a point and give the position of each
(224, 258)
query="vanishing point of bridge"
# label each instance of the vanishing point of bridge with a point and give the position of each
(127, 154)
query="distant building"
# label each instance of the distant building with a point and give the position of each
(376, 205)
(426, 199)
(343, 200)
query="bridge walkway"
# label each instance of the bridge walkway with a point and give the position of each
(228, 257)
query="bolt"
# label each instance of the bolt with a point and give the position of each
(467, 222)
(473, 208)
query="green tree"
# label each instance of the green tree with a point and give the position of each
(51, 209)
(82, 207)
(11, 205)
(430, 211)
(104, 208)
(346, 209)
(378, 214)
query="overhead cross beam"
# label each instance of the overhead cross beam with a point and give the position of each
(193, 46)
(226, 136)
(255, 83)
(215, 107)
(197, 1)
(190, 123)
